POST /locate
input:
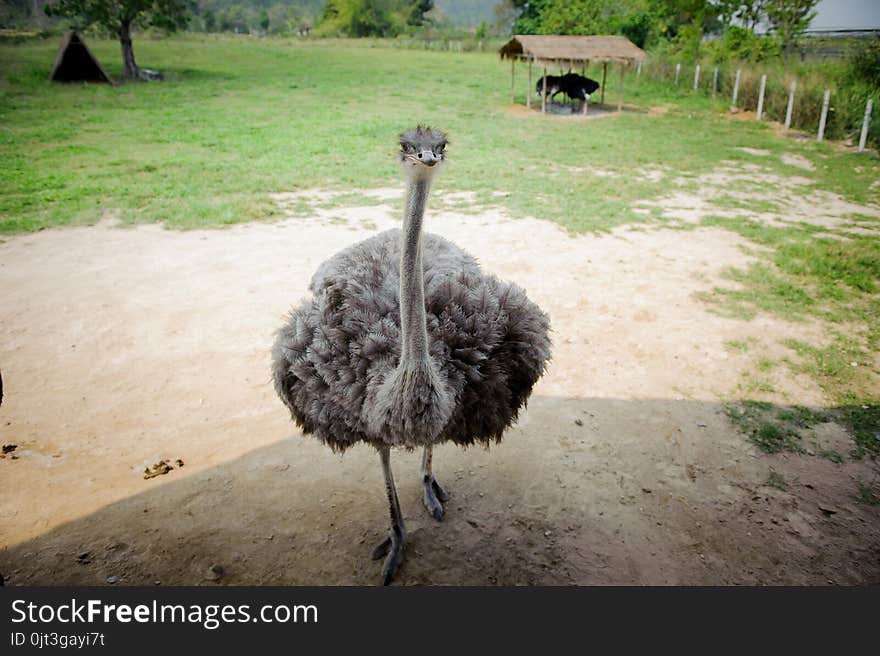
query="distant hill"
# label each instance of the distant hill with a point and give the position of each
(468, 13)
(312, 7)
(464, 13)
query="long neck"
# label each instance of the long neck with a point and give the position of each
(413, 328)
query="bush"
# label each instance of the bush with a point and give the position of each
(864, 64)
(849, 93)
(739, 44)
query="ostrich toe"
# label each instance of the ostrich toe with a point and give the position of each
(434, 497)
(392, 548)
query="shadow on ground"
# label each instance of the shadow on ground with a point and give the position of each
(582, 491)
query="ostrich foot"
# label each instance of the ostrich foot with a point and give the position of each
(392, 548)
(434, 497)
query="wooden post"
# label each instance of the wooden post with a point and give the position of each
(697, 77)
(715, 81)
(735, 88)
(620, 97)
(586, 106)
(790, 108)
(825, 101)
(529, 88)
(639, 70)
(544, 92)
(512, 81)
(604, 72)
(761, 98)
(866, 124)
(677, 73)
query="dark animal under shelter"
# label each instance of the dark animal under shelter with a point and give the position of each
(576, 87)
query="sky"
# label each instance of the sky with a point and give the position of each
(847, 14)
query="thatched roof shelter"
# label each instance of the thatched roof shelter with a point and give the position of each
(571, 51)
(558, 49)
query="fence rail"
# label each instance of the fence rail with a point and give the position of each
(791, 102)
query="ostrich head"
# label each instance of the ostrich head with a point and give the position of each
(421, 150)
(414, 403)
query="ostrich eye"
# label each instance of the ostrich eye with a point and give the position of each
(407, 148)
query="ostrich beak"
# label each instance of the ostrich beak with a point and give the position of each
(425, 157)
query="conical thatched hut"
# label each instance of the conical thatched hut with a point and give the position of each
(74, 62)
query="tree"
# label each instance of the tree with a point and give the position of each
(210, 20)
(751, 13)
(235, 19)
(574, 16)
(505, 17)
(691, 19)
(482, 31)
(864, 65)
(282, 18)
(417, 11)
(639, 27)
(118, 16)
(20, 13)
(790, 19)
(359, 18)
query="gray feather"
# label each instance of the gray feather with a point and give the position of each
(335, 359)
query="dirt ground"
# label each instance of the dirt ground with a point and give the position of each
(121, 347)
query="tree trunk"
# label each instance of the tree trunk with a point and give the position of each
(786, 49)
(38, 14)
(130, 71)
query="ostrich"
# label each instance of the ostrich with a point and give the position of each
(407, 343)
(554, 86)
(576, 87)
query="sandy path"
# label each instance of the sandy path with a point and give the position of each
(120, 347)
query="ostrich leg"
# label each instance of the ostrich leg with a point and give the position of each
(434, 494)
(392, 546)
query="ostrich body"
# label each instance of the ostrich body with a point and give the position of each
(407, 343)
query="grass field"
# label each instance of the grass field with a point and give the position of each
(238, 119)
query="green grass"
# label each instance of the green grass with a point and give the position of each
(761, 423)
(739, 345)
(772, 438)
(774, 428)
(804, 274)
(777, 480)
(869, 492)
(807, 273)
(752, 204)
(843, 371)
(766, 364)
(753, 384)
(802, 417)
(831, 454)
(240, 118)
